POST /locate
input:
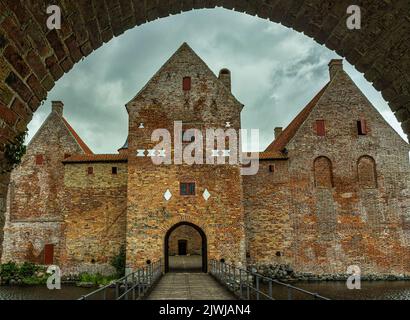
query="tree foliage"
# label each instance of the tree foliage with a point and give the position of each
(118, 262)
(15, 151)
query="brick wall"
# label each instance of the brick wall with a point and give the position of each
(208, 104)
(94, 216)
(33, 58)
(345, 198)
(34, 216)
(188, 233)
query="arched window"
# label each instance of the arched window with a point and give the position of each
(323, 172)
(366, 172)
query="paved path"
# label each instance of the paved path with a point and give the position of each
(189, 286)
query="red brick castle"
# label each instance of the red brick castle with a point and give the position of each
(332, 190)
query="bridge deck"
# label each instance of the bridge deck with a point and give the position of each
(189, 286)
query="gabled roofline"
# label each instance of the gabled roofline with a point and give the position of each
(279, 144)
(76, 137)
(70, 129)
(183, 46)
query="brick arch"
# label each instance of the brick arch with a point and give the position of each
(366, 172)
(33, 58)
(204, 245)
(323, 172)
(185, 219)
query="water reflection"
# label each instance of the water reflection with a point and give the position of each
(337, 290)
(42, 293)
(371, 290)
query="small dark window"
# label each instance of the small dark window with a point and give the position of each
(90, 170)
(278, 253)
(320, 128)
(187, 189)
(67, 155)
(361, 127)
(39, 159)
(272, 168)
(186, 84)
(148, 261)
(114, 170)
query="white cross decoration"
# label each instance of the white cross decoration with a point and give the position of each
(152, 153)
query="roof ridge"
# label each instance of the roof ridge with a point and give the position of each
(103, 157)
(77, 138)
(169, 60)
(280, 143)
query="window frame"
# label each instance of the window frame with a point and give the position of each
(362, 129)
(188, 184)
(320, 129)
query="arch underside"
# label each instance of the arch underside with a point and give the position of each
(33, 58)
(204, 244)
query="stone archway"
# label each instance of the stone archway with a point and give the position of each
(204, 244)
(33, 58)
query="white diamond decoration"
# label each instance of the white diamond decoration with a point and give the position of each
(167, 195)
(206, 195)
(228, 125)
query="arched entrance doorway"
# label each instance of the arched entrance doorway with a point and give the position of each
(185, 249)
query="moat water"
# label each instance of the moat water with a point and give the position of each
(67, 292)
(372, 290)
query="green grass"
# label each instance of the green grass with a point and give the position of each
(96, 279)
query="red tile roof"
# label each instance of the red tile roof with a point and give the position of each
(270, 155)
(280, 143)
(84, 158)
(81, 143)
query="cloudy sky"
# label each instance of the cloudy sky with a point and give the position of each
(275, 72)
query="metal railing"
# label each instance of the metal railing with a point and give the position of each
(248, 285)
(135, 285)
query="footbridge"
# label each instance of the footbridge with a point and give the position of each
(222, 282)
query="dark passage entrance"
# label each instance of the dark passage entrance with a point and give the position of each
(182, 247)
(185, 249)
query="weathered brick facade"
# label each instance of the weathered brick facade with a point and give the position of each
(340, 199)
(208, 104)
(33, 58)
(36, 194)
(188, 234)
(332, 189)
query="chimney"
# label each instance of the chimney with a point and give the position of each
(335, 65)
(57, 106)
(278, 131)
(225, 77)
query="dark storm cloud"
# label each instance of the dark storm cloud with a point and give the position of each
(275, 71)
